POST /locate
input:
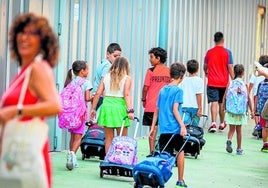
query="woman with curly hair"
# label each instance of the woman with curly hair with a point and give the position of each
(33, 45)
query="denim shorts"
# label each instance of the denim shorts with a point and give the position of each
(190, 116)
(215, 94)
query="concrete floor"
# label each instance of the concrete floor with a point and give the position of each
(214, 167)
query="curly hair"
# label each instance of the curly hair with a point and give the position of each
(49, 47)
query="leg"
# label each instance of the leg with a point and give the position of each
(180, 164)
(76, 141)
(109, 134)
(239, 136)
(124, 133)
(213, 109)
(152, 140)
(229, 148)
(221, 112)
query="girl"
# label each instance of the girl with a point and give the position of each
(235, 121)
(117, 102)
(79, 71)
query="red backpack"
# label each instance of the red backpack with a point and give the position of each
(74, 109)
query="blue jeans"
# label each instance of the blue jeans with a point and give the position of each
(190, 116)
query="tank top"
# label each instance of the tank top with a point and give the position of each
(107, 85)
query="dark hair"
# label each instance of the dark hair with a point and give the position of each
(218, 36)
(192, 66)
(159, 52)
(77, 66)
(238, 70)
(49, 47)
(113, 47)
(177, 70)
(263, 59)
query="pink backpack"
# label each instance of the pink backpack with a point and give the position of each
(73, 114)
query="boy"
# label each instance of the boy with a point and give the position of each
(168, 112)
(192, 87)
(113, 51)
(156, 77)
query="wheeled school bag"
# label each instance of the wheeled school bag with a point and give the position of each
(156, 170)
(93, 142)
(196, 140)
(122, 155)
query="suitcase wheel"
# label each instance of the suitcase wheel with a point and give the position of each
(101, 173)
(195, 155)
(83, 156)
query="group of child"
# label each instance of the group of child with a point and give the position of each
(178, 103)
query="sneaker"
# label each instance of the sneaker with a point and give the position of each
(229, 148)
(264, 148)
(239, 151)
(222, 126)
(70, 161)
(75, 161)
(180, 184)
(212, 128)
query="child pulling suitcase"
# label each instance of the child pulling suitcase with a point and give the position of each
(156, 170)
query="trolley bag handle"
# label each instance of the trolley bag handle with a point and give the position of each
(136, 129)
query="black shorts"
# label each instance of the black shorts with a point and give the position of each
(215, 94)
(175, 144)
(148, 119)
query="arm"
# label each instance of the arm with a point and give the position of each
(231, 70)
(178, 118)
(144, 94)
(199, 104)
(96, 99)
(127, 96)
(250, 103)
(42, 85)
(205, 68)
(88, 96)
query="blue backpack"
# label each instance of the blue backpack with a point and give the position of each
(73, 114)
(237, 97)
(262, 96)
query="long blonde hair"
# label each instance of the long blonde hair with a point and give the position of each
(118, 70)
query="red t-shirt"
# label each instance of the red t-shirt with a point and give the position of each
(11, 98)
(217, 60)
(155, 78)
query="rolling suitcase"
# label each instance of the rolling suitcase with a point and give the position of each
(93, 142)
(121, 156)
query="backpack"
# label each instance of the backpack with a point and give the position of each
(237, 97)
(262, 96)
(73, 114)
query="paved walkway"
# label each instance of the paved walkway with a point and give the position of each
(213, 168)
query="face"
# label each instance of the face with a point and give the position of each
(28, 42)
(85, 72)
(154, 60)
(111, 57)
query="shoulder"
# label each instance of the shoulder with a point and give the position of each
(41, 68)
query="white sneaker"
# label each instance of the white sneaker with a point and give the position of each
(75, 161)
(70, 160)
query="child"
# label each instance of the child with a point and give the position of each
(260, 101)
(117, 102)
(235, 120)
(79, 71)
(168, 112)
(192, 87)
(156, 77)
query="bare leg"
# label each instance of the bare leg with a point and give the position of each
(124, 133)
(213, 109)
(180, 164)
(231, 132)
(239, 135)
(76, 141)
(109, 134)
(152, 139)
(221, 112)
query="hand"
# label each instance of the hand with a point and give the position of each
(199, 112)
(152, 132)
(92, 114)
(130, 116)
(7, 113)
(183, 131)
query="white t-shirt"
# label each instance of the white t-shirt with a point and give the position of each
(191, 86)
(255, 80)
